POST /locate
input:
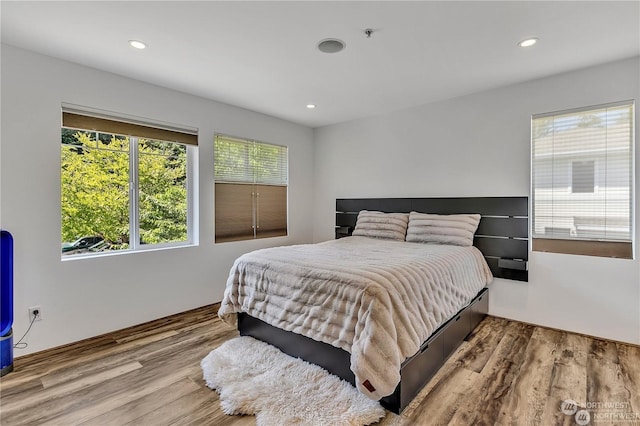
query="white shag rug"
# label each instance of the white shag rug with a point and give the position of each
(253, 377)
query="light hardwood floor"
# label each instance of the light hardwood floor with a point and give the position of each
(506, 373)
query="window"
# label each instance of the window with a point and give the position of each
(582, 180)
(250, 189)
(124, 186)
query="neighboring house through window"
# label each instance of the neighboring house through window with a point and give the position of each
(125, 185)
(582, 180)
(251, 180)
(583, 176)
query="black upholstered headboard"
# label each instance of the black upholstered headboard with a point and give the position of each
(502, 236)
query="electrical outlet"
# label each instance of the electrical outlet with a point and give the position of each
(35, 311)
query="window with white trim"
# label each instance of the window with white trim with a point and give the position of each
(582, 180)
(125, 186)
(251, 182)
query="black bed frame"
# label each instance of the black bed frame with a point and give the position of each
(502, 237)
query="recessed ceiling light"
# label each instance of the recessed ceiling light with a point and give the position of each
(331, 45)
(137, 44)
(311, 106)
(528, 42)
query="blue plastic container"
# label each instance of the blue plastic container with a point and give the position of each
(6, 302)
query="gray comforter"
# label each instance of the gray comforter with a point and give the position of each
(377, 299)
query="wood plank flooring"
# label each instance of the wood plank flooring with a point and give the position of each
(506, 373)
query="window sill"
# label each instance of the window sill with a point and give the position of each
(153, 248)
(613, 249)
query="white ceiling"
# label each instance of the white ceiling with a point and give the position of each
(262, 55)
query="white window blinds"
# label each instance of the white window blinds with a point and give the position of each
(582, 174)
(238, 160)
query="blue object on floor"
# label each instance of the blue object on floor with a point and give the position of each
(6, 302)
(6, 353)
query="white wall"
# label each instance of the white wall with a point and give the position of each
(84, 298)
(479, 145)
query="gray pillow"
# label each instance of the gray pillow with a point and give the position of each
(391, 226)
(453, 229)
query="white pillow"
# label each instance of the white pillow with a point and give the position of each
(453, 229)
(391, 226)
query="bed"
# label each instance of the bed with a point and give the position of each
(381, 313)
